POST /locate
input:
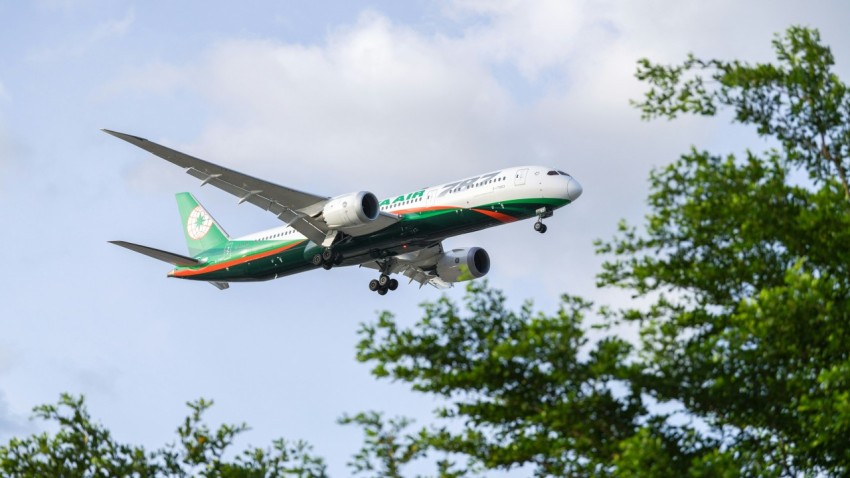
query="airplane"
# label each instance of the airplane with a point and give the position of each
(400, 235)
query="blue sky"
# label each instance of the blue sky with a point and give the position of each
(329, 97)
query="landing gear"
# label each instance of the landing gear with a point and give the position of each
(542, 214)
(383, 284)
(540, 227)
(327, 259)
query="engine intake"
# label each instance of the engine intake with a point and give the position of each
(465, 264)
(351, 210)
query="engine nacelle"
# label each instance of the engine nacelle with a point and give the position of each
(460, 265)
(351, 210)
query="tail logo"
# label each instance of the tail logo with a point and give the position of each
(199, 223)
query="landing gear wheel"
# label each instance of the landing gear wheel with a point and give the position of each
(384, 280)
(382, 291)
(327, 265)
(543, 228)
(373, 285)
(393, 285)
(317, 260)
(327, 254)
(539, 227)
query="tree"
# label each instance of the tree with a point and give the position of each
(742, 367)
(798, 100)
(515, 379)
(83, 448)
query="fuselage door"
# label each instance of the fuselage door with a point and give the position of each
(520, 176)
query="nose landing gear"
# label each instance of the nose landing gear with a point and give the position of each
(542, 214)
(540, 227)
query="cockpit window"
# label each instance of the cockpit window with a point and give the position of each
(552, 173)
(563, 173)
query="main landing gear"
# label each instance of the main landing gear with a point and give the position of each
(327, 259)
(383, 284)
(542, 214)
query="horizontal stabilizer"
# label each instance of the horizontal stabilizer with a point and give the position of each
(169, 257)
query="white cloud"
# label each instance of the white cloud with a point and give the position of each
(376, 100)
(533, 36)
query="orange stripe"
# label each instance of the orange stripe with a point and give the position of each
(234, 262)
(402, 212)
(496, 215)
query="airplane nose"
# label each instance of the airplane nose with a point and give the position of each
(574, 189)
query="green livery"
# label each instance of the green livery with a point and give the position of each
(399, 235)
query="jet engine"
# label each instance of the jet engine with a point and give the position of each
(351, 210)
(465, 264)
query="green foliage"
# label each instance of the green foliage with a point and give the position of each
(798, 100)
(529, 388)
(746, 272)
(758, 269)
(386, 450)
(82, 448)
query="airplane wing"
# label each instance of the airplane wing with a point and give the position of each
(296, 208)
(419, 266)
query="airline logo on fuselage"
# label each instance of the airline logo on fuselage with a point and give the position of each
(446, 188)
(402, 198)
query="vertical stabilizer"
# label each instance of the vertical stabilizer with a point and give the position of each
(201, 230)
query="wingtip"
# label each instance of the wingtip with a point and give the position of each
(124, 136)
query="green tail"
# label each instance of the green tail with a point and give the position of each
(201, 230)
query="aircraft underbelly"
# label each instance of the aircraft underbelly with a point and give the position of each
(415, 231)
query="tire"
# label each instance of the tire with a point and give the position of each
(327, 266)
(539, 227)
(382, 291)
(327, 254)
(317, 260)
(393, 285)
(373, 285)
(543, 229)
(384, 280)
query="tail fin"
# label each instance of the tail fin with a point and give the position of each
(201, 230)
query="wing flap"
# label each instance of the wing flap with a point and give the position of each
(165, 256)
(418, 266)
